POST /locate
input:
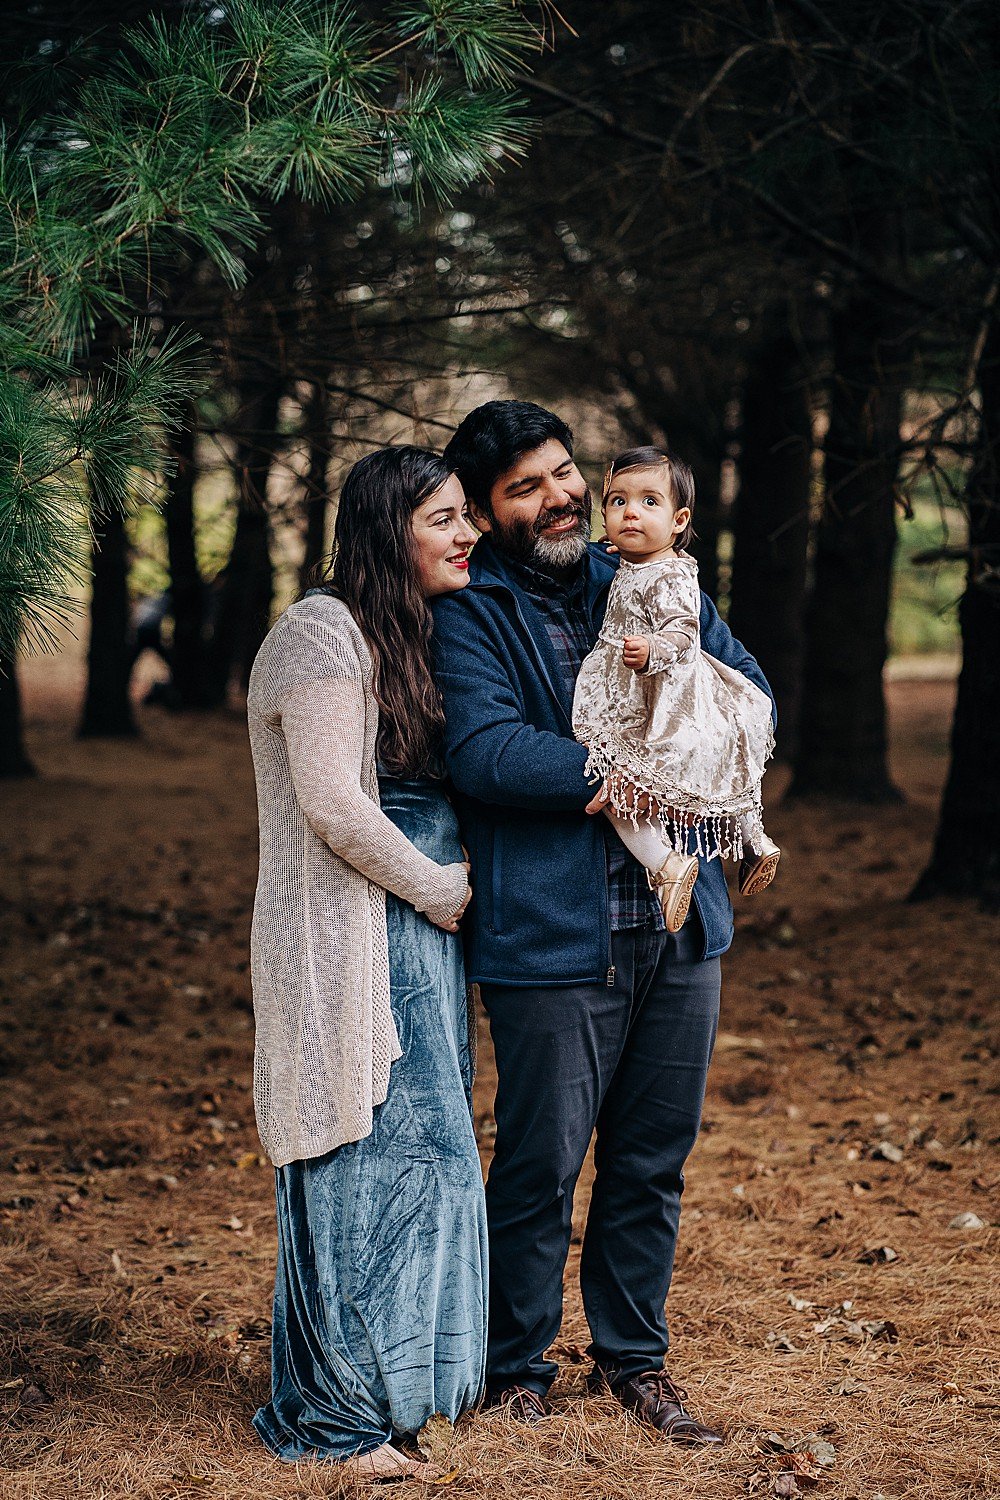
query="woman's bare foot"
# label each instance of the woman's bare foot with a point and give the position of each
(387, 1464)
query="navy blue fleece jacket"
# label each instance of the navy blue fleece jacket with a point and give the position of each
(539, 913)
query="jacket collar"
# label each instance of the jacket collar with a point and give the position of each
(490, 572)
(489, 569)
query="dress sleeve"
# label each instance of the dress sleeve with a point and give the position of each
(323, 722)
(670, 606)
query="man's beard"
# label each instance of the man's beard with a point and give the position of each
(526, 542)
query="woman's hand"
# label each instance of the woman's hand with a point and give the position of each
(450, 924)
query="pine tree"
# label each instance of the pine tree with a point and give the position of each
(176, 140)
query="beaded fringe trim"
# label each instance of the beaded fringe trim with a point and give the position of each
(713, 828)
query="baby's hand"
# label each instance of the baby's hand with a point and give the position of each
(635, 652)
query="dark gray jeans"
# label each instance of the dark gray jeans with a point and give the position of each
(630, 1059)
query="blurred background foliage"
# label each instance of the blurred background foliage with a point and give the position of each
(764, 232)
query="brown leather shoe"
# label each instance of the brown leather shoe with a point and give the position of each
(655, 1398)
(518, 1402)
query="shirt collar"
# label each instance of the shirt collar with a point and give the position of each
(546, 586)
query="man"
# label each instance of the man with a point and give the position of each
(599, 1017)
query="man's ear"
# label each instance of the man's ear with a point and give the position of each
(480, 519)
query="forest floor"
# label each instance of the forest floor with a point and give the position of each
(826, 1300)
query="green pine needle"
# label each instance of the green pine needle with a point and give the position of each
(128, 156)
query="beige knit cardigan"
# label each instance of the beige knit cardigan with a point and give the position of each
(325, 1038)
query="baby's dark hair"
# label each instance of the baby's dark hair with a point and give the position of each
(678, 473)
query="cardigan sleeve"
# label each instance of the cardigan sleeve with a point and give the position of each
(321, 714)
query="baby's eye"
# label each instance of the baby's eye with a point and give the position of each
(650, 500)
(616, 500)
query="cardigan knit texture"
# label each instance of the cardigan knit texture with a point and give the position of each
(325, 1038)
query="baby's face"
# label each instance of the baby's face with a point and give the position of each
(640, 516)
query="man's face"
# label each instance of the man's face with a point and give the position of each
(541, 509)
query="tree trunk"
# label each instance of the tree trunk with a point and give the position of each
(694, 431)
(187, 589)
(247, 588)
(317, 500)
(771, 525)
(107, 710)
(704, 457)
(14, 760)
(966, 857)
(842, 734)
(707, 470)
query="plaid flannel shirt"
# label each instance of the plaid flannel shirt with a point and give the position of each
(563, 609)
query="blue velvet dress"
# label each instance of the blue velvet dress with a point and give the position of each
(380, 1293)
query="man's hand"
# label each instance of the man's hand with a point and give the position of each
(635, 652)
(640, 802)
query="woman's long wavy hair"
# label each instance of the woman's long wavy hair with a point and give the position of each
(374, 570)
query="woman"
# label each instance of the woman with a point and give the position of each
(362, 1071)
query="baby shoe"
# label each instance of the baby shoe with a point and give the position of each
(673, 883)
(757, 871)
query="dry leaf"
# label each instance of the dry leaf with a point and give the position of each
(800, 1304)
(34, 1396)
(886, 1151)
(818, 1448)
(876, 1328)
(233, 1223)
(728, 1041)
(804, 1467)
(967, 1221)
(784, 1484)
(848, 1386)
(436, 1437)
(879, 1255)
(812, 1445)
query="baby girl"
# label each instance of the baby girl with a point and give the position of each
(660, 716)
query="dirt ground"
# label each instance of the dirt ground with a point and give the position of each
(824, 1294)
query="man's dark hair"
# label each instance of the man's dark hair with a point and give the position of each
(493, 437)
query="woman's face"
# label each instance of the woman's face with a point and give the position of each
(442, 538)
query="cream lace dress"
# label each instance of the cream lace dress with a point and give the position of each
(690, 731)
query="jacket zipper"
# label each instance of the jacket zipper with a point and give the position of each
(543, 669)
(610, 979)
